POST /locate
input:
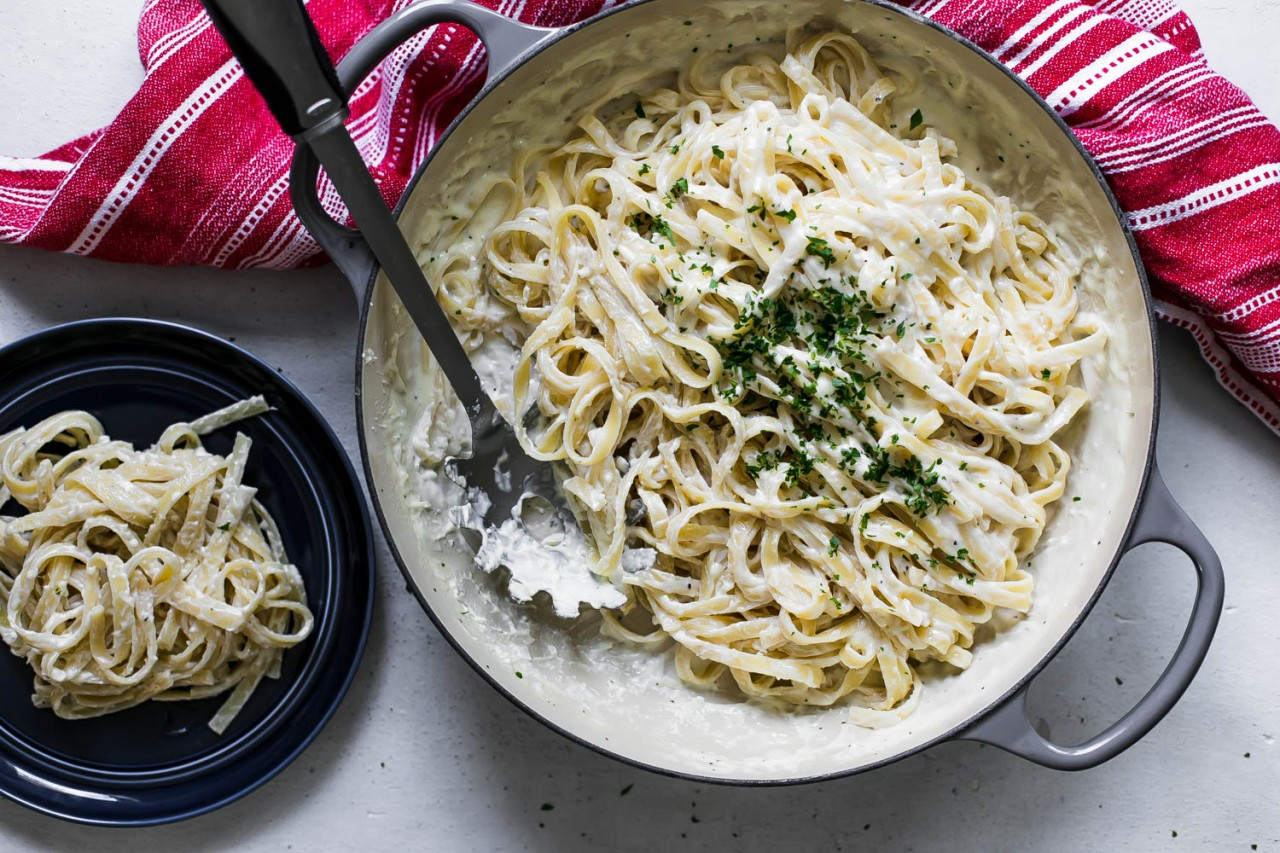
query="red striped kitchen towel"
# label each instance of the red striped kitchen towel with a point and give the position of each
(194, 171)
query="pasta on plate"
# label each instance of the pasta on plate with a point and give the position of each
(142, 574)
(791, 355)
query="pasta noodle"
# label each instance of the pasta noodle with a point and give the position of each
(784, 345)
(139, 575)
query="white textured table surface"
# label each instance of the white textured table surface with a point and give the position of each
(423, 755)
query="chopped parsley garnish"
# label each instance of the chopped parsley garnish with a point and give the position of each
(644, 169)
(1046, 373)
(718, 152)
(833, 546)
(679, 188)
(924, 494)
(789, 215)
(646, 224)
(819, 249)
(801, 356)
(917, 119)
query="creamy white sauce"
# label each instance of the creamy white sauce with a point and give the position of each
(555, 566)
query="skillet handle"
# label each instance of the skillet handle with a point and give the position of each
(1160, 520)
(505, 40)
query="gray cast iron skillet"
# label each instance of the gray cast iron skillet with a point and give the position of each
(1001, 720)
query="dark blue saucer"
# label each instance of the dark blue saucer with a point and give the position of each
(160, 762)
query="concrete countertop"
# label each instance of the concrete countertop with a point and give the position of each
(423, 755)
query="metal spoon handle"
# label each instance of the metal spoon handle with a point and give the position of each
(337, 152)
(282, 55)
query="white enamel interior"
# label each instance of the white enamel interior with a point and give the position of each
(630, 702)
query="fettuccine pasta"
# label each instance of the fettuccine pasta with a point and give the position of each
(142, 574)
(788, 351)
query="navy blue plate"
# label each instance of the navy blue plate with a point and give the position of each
(160, 762)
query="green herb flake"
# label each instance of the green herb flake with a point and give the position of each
(640, 110)
(789, 215)
(224, 527)
(546, 807)
(1046, 373)
(645, 223)
(519, 674)
(833, 546)
(818, 248)
(644, 169)
(717, 152)
(917, 119)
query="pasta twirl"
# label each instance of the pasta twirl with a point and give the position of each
(779, 340)
(142, 574)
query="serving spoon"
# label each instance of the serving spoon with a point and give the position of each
(282, 55)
